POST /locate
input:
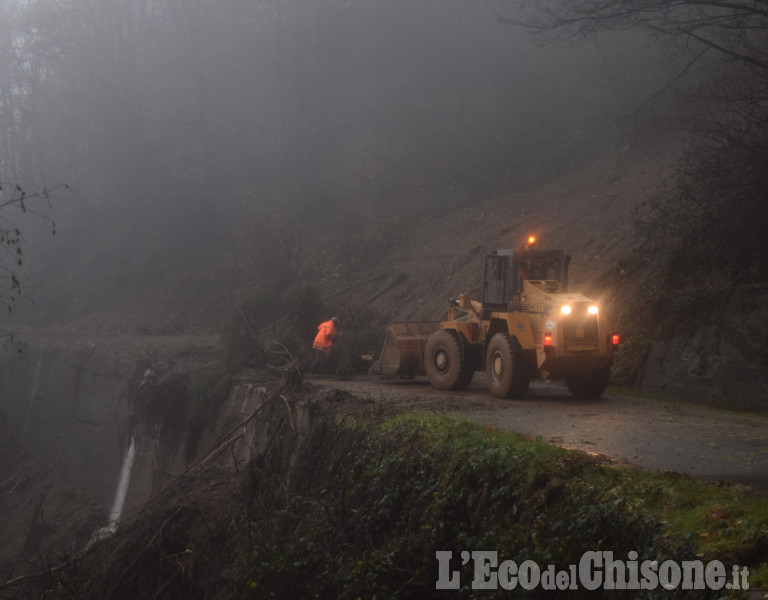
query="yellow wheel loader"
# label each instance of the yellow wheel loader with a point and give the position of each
(526, 326)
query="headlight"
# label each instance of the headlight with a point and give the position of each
(592, 310)
(565, 309)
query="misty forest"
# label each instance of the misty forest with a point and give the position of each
(240, 170)
(283, 143)
(201, 150)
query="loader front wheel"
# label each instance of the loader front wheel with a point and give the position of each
(444, 361)
(505, 368)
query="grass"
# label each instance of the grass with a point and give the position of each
(393, 494)
(342, 507)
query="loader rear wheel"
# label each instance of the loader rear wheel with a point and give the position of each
(505, 368)
(445, 363)
(589, 385)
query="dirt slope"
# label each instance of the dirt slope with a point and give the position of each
(589, 214)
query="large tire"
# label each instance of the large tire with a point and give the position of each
(505, 369)
(444, 361)
(589, 385)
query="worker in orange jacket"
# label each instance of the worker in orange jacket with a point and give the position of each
(326, 334)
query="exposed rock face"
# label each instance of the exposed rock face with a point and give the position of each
(89, 429)
(724, 364)
(61, 412)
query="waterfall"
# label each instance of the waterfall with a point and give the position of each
(31, 403)
(122, 486)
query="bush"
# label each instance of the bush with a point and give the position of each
(373, 503)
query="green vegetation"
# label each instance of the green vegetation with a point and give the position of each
(375, 502)
(343, 505)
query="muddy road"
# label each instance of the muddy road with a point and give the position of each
(700, 441)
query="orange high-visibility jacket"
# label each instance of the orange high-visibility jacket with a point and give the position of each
(326, 333)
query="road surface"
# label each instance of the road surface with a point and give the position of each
(700, 441)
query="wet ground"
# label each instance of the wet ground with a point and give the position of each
(700, 441)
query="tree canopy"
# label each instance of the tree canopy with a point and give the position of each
(712, 215)
(734, 28)
(233, 131)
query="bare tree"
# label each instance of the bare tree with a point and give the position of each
(14, 197)
(734, 28)
(714, 210)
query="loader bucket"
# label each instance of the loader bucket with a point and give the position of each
(403, 349)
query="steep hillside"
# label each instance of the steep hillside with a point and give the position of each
(315, 492)
(402, 259)
(227, 156)
(407, 256)
(588, 213)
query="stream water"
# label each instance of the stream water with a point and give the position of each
(122, 485)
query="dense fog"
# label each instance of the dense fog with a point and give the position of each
(220, 132)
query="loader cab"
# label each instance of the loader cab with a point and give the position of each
(505, 270)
